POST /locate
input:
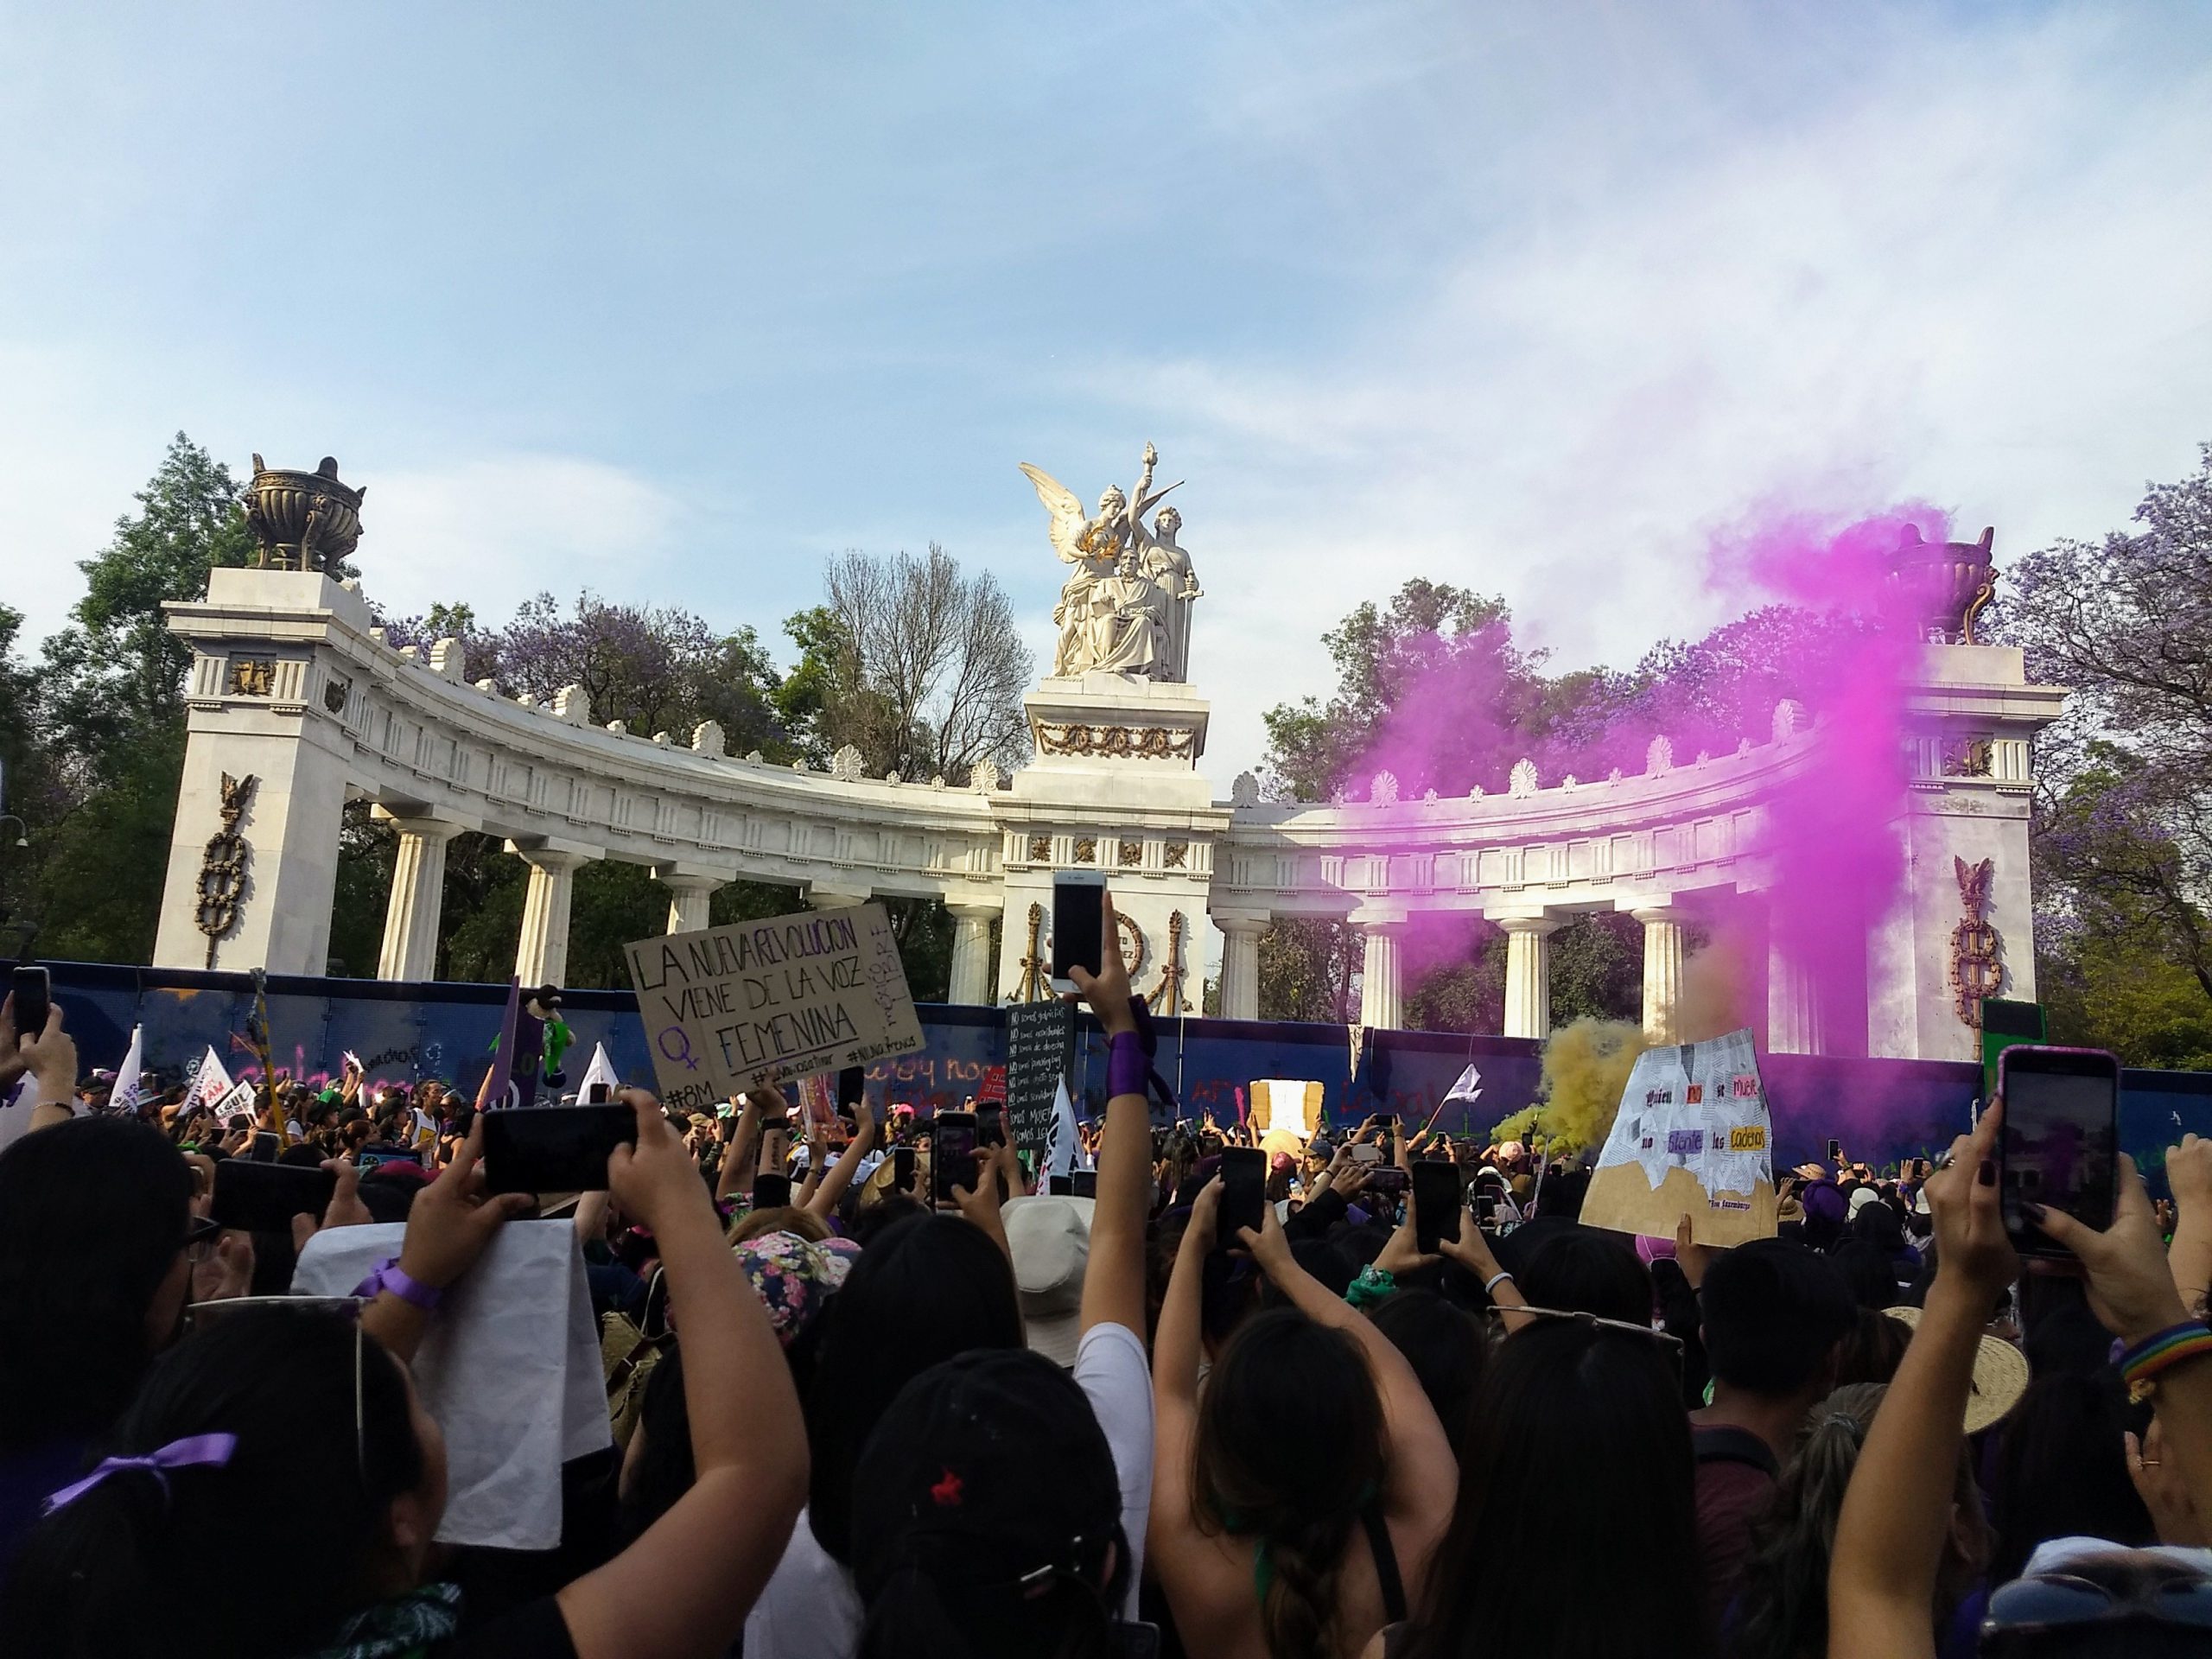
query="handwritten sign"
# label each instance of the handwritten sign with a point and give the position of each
(1039, 1048)
(759, 1004)
(1692, 1138)
(237, 1107)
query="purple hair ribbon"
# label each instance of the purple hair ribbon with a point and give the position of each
(213, 1449)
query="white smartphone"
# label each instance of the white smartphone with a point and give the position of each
(1078, 930)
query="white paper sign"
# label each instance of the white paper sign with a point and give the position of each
(241, 1101)
(1691, 1137)
(509, 1366)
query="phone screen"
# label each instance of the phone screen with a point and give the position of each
(266, 1146)
(1083, 1184)
(1059, 1186)
(264, 1197)
(597, 1095)
(952, 1156)
(554, 1148)
(1436, 1203)
(2060, 1143)
(1485, 1205)
(1244, 1193)
(1078, 927)
(1386, 1178)
(1835, 1152)
(852, 1085)
(32, 990)
(990, 1123)
(902, 1168)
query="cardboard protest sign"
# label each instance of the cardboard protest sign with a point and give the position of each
(1039, 1048)
(1691, 1137)
(758, 1003)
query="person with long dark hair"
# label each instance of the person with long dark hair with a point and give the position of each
(1574, 1535)
(1261, 1548)
(299, 1425)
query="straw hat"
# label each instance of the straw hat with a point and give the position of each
(2001, 1376)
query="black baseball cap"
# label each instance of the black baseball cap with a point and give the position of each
(990, 1478)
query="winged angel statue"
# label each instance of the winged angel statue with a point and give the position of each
(1126, 605)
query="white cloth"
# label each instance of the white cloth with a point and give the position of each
(130, 1077)
(810, 1609)
(510, 1369)
(211, 1083)
(601, 1070)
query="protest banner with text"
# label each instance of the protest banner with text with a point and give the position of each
(758, 1003)
(1039, 1048)
(1693, 1138)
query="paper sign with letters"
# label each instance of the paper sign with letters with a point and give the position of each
(238, 1106)
(1691, 1137)
(756, 1004)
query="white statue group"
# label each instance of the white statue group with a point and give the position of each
(1126, 606)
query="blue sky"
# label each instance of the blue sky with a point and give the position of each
(673, 301)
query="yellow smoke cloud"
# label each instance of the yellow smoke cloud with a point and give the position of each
(1585, 1067)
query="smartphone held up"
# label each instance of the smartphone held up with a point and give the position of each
(2060, 1144)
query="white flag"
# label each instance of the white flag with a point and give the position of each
(209, 1083)
(1469, 1087)
(1061, 1142)
(238, 1106)
(123, 1099)
(601, 1070)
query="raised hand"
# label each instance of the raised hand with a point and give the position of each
(2131, 1291)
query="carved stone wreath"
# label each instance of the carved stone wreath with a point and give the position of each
(222, 865)
(1118, 742)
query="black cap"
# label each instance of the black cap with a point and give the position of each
(988, 1472)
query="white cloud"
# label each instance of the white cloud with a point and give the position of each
(492, 531)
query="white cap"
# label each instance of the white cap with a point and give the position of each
(1049, 1238)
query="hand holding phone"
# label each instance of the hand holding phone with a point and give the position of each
(1436, 1203)
(30, 991)
(952, 1157)
(553, 1149)
(2059, 1145)
(257, 1198)
(1078, 926)
(1244, 1194)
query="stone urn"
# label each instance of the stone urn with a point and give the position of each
(304, 521)
(1944, 584)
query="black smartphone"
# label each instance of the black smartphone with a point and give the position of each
(902, 1168)
(598, 1095)
(1485, 1205)
(1835, 1152)
(852, 1087)
(1083, 1184)
(264, 1197)
(952, 1156)
(266, 1145)
(554, 1148)
(2060, 1144)
(770, 1191)
(1060, 1186)
(1244, 1193)
(32, 988)
(1386, 1178)
(1079, 925)
(1436, 1203)
(990, 1123)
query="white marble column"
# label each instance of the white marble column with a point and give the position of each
(1793, 1001)
(418, 886)
(1378, 974)
(541, 953)
(690, 893)
(1240, 966)
(1662, 972)
(971, 952)
(1528, 974)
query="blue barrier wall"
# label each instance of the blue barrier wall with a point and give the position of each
(1882, 1110)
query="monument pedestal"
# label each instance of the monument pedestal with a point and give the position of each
(1115, 788)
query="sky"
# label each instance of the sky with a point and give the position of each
(671, 301)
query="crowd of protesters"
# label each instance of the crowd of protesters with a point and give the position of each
(849, 1420)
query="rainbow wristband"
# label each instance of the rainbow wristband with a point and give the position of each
(1127, 1065)
(2140, 1365)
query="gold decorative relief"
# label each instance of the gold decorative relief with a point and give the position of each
(1086, 851)
(1129, 854)
(1177, 854)
(252, 677)
(222, 865)
(1118, 742)
(1040, 849)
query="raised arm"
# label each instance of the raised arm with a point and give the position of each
(826, 1196)
(1889, 1542)
(1113, 1279)
(664, 1596)
(2189, 1171)
(738, 1155)
(50, 1056)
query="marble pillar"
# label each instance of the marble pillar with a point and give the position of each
(971, 952)
(1240, 966)
(1662, 972)
(1793, 1003)
(1378, 975)
(1528, 975)
(541, 953)
(418, 886)
(690, 894)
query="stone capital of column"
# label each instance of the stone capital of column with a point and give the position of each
(429, 828)
(556, 857)
(684, 877)
(1649, 913)
(1378, 918)
(821, 895)
(1536, 925)
(1238, 926)
(976, 910)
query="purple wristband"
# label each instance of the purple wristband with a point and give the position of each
(1127, 1065)
(386, 1276)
